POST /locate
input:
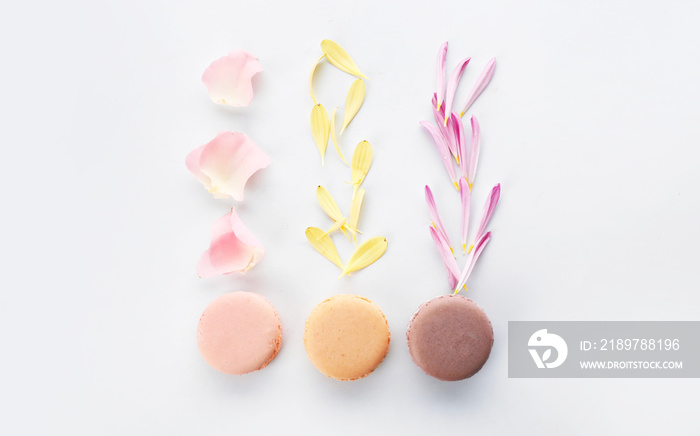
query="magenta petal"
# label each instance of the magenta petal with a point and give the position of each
(465, 197)
(441, 72)
(442, 147)
(452, 86)
(229, 79)
(474, 152)
(460, 143)
(447, 257)
(481, 84)
(445, 129)
(233, 248)
(452, 135)
(225, 164)
(471, 260)
(435, 216)
(489, 207)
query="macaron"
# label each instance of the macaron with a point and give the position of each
(346, 337)
(239, 332)
(450, 337)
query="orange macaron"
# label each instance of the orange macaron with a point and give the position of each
(346, 337)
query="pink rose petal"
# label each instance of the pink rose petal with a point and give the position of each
(233, 248)
(229, 79)
(225, 164)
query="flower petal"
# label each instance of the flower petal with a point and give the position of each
(442, 149)
(233, 248)
(339, 58)
(474, 152)
(447, 257)
(311, 79)
(324, 245)
(225, 164)
(229, 79)
(471, 260)
(441, 72)
(353, 102)
(461, 141)
(366, 254)
(435, 217)
(328, 204)
(465, 197)
(452, 86)
(355, 208)
(320, 128)
(489, 207)
(452, 135)
(481, 84)
(336, 226)
(361, 162)
(445, 132)
(334, 137)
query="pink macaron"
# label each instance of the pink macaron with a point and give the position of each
(239, 332)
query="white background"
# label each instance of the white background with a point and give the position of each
(590, 124)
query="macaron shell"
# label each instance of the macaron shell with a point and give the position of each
(346, 337)
(239, 332)
(450, 337)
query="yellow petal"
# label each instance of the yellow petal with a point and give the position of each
(311, 79)
(320, 128)
(325, 199)
(337, 225)
(366, 254)
(353, 102)
(361, 161)
(334, 137)
(339, 58)
(355, 207)
(324, 245)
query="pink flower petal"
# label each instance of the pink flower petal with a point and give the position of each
(441, 72)
(445, 130)
(471, 260)
(447, 257)
(233, 248)
(442, 149)
(435, 217)
(481, 84)
(229, 79)
(452, 135)
(225, 164)
(489, 207)
(465, 197)
(474, 152)
(460, 142)
(452, 86)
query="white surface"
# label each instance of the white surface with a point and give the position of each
(590, 124)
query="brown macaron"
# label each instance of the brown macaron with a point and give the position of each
(450, 337)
